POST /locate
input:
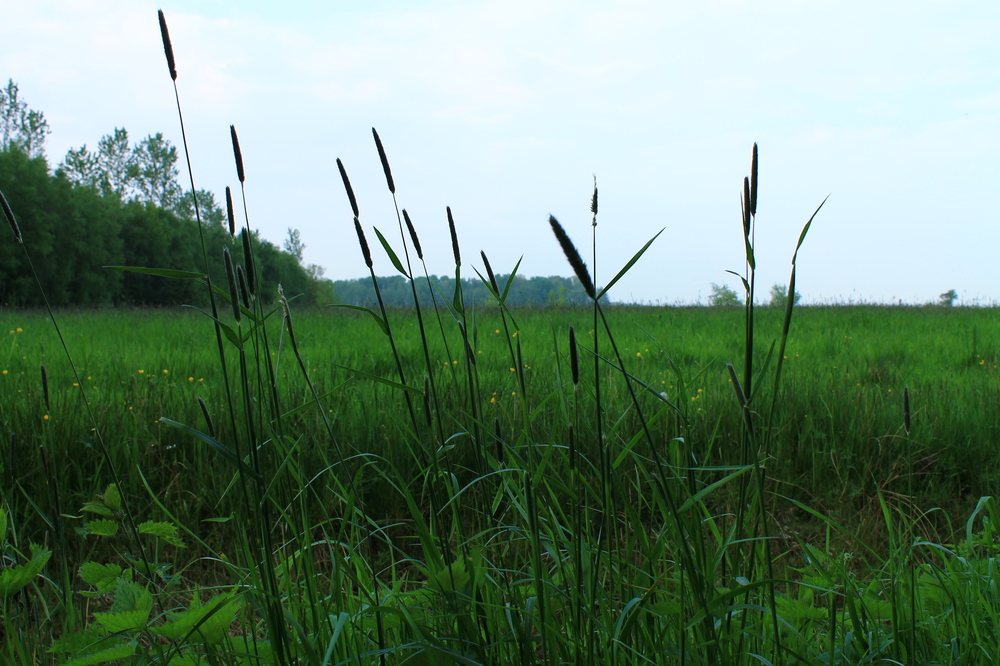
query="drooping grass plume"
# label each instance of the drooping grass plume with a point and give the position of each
(364, 243)
(350, 190)
(413, 235)
(229, 212)
(385, 162)
(454, 238)
(167, 48)
(573, 257)
(237, 154)
(9, 214)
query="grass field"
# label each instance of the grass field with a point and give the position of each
(837, 447)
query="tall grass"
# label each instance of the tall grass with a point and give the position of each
(318, 501)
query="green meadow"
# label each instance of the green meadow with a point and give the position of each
(258, 481)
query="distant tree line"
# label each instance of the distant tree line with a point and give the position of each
(535, 291)
(119, 205)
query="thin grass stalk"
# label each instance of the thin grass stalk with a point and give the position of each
(430, 288)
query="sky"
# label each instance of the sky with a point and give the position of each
(507, 110)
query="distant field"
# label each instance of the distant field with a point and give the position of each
(839, 424)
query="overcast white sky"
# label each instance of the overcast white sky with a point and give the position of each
(505, 110)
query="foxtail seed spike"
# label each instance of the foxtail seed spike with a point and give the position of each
(45, 386)
(906, 410)
(229, 212)
(385, 162)
(454, 238)
(746, 207)
(573, 256)
(347, 186)
(753, 182)
(364, 243)
(593, 200)
(241, 282)
(413, 235)
(238, 154)
(489, 272)
(574, 358)
(167, 48)
(9, 214)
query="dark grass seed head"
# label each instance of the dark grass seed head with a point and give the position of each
(234, 297)
(9, 214)
(746, 207)
(241, 282)
(45, 386)
(229, 212)
(593, 199)
(454, 238)
(385, 162)
(413, 235)
(489, 272)
(753, 182)
(364, 243)
(208, 417)
(237, 154)
(248, 260)
(573, 257)
(167, 48)
(574, 358)
(347, 186)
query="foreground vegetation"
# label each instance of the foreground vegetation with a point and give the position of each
(453, 485)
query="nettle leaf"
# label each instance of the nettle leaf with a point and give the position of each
(165, 531)
(88, 641)
(96, 507)
(12, 579)
(112, 498)
(122, 651)
(103, 527)
(207, 622)
(131, 609)
(101, 576)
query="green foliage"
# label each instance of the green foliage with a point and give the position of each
(948, 298)
(779, 297)
(723, 297)
(21, 128)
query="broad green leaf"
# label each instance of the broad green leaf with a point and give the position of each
(102, 527)
(378, 320)
(629, 265)
(3, 525)
(161, 272)
(226, 452)
(130, 610)
(101, 576)
(392, 255)
(16, 577)
(207, 622)
(161, 530)
(123, 651)
(98, 507)
(112, 497)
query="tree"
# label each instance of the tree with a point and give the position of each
(779, 296)
(211, 214)
(154, 173)
(948, 298)
(723, 297)
(20, 127)
(294, 245)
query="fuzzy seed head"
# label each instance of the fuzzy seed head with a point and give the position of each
(746, 207)
(364, 243)
(574, 358)
(413, 235)
(454, 238)
(347, 186)
(593, 199)
(237, 154)
(167, 48)
(241, 282)
(385, 162)
(573, 257)
(229, 212)
(45, 386)
(753, 182)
